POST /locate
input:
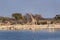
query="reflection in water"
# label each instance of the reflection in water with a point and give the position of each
(51, 29)
(29, 35)
(48, 29)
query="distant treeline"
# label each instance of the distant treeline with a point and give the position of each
(18, 17)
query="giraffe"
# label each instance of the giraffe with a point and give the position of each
(34, 21)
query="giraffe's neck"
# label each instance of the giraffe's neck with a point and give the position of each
(32, 17)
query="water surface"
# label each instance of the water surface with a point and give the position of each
(29, 35)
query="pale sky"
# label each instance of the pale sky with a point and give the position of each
(47, 8)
